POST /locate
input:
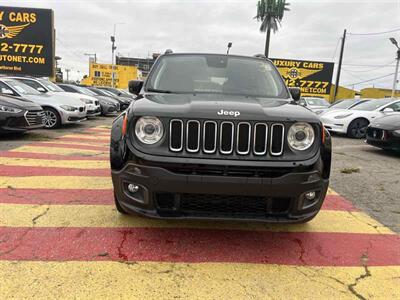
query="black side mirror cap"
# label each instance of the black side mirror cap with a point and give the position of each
(135, 86)
(295, 92)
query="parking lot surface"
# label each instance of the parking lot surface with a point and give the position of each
(61, 237)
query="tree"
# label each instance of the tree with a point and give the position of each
(270, 13)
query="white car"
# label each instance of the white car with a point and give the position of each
(341, 104)
(46, 86)
(354, 121)
(58, 109)
(313, 103)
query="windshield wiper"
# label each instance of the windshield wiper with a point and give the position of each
(158, 91)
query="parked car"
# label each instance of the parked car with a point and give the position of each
(123, 102)
(117, 92)
(341, 104)
(384, 132)
(46, 86)
(19, 114)
(354, 121)
(58, 109)
(313, 103)
(219, 137)
(107, 105)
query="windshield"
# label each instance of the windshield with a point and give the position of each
(22, 88)
(50, 86)
(217, 74)
(317, 102)
(371, 105)
(343, 104)
(85, 91)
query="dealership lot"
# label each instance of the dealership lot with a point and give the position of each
(61, 236)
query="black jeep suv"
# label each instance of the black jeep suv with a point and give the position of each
(219, 137)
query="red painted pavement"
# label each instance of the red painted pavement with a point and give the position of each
(198, 245)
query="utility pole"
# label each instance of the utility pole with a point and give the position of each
(67, 71)
(339, 68)
(396, 72)
(267, 40)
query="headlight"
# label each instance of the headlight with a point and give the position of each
(343, 116)
(300, 136)
(68, 108)
(86, 101)
(149, 130)
(8, 109)
(396, 132)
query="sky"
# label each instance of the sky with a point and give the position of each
(311, 30)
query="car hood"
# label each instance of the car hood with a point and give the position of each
(20, 103)
(212, 106)
(55, 99)
(107, 99)
(387, 122)
(78, 96)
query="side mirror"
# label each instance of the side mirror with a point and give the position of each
(135, 86)
(7, 92)
(41, 89)
(388, 110)
(295, 92)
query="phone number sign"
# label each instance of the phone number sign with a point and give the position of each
(26, 41)
(312, 77)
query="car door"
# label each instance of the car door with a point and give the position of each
(394, 106)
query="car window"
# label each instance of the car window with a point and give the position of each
(50, 86)
(371, 105)
(395, 106)
(216, 74)
(317, 102)
(303, 102)
(68, 89)
(22, 88)
(31, 83)
(4, 89)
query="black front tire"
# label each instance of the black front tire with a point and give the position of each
(357, 128)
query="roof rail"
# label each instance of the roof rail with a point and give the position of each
(168, 51)
(260, 56)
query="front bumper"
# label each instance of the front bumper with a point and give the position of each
(69, 117)
(333, 125)
(19, 123)
(384, 139)
(93, 111)
(165, 193)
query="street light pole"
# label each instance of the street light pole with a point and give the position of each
(396, 72)
(113, 47)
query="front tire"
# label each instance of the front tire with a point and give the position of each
(357, 128)
(52, 118)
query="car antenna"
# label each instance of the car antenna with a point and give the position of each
(229, 47)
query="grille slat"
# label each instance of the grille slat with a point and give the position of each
(226, 138)
(277, 139)
(34, 118)
(242, 138)
(192, 136)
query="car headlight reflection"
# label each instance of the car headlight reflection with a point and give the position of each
(149, 130)
(69, 108)
(9, 109)
(301, 136)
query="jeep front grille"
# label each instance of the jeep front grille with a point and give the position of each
(226, 137)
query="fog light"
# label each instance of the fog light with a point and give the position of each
(133, 188)
(310, 195)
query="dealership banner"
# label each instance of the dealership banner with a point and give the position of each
(312, 77)
(26, 41)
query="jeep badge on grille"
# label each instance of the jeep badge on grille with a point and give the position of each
(228, 113)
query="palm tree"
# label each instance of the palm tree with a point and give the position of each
(270, 13)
